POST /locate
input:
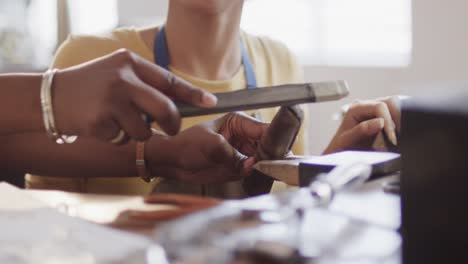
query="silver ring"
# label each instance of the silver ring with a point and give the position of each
(119, 138)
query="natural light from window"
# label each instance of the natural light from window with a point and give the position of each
(92, 16)
(360, 33)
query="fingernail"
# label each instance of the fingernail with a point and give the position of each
(393, 138)
(381, 123)
(248, 165)
(209, 99)
(375, 126)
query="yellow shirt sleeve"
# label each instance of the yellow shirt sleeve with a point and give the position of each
(79, 49)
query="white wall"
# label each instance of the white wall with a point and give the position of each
(141, 12)
(440, 56)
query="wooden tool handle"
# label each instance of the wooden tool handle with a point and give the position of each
(275, 144)
(281, 134)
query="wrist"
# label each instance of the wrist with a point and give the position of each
(34, 120)
(158, 153)
(21, 107)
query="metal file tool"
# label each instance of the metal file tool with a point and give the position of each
(265, 97)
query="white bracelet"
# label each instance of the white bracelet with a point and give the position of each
(47, 111)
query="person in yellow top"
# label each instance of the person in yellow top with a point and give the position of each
(202, 43)
(205, 46)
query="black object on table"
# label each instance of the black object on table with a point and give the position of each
(434, 179)
(14, 178)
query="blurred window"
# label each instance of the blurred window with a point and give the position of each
(28, 34)
(336, 32)
(92, 16)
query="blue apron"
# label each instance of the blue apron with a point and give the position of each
(161, 58)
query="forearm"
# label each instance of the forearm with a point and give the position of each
(35, 153)
(20, 109)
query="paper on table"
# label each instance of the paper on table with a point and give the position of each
(32, 233)
(367, 203)
(370, 204)
(97, 208)
(46, 236)
(346, 157)
(13, 199)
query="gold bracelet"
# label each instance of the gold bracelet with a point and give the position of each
(141, 162)
(47, 111)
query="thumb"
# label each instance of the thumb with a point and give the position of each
(219, 151)
(362, 131)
